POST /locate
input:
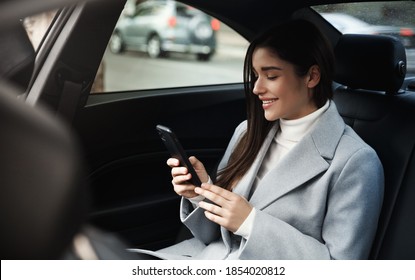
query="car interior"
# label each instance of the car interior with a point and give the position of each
(84, 176)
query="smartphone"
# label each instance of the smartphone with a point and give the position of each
(176, 151)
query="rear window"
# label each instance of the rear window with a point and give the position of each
(186, 11)
(386, 18)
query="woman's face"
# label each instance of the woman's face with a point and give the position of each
(283, 94)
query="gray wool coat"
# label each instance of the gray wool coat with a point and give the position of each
(322, 201)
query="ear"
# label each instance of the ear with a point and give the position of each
(313, 76)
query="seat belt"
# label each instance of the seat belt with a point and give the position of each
(69, 101)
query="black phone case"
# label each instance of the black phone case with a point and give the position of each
(176, 151)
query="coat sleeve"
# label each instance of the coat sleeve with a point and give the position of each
(353, 207)
(194, 218)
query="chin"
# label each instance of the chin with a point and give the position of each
(271, 118)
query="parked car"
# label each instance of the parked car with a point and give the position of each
(347, 24)
(91, 168)
(161, 27)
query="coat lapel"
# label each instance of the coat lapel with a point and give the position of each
(286, 176)
(310, 157)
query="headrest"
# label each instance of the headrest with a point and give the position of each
(372, 62)
(17, 56)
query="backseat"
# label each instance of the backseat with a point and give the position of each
(370, 71)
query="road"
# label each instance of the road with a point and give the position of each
(135, 70)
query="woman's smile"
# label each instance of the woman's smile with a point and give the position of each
(267, 103)
(282, 92)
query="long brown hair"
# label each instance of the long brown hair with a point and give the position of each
(300, 43)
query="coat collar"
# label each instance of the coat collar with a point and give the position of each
(310, 157)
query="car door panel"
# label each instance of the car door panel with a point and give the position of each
(128, 176)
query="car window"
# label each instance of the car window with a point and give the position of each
(154, 10)
(144, 12)
(185, 11)
(180, 47)
(37, 26)
(385, 18)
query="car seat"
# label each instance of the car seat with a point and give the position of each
(43, 195)
(42, 198)
(370, 70)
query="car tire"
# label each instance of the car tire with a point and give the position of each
(204, 56)
(154, 47)
(116, 44)
(200, 29)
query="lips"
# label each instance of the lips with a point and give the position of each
(268, 102)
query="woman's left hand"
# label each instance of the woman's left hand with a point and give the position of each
(230, 210)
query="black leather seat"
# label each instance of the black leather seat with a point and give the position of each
(371, 70)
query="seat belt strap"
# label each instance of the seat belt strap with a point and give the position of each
(69, 101)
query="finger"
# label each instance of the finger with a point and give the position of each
(189, 194)
(182, 179)
(228, 195)
(176, 171)
(173, 162)
(200, 169)
(217, 199)
(196, 163)
(212, 208)
(185, 190)
(193, 160)
(215, 218)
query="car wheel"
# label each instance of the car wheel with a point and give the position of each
(154, 47)
(200, 28)
(116, 44)
(204, 56)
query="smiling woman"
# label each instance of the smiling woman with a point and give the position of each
(301, 187)
(295, 181)
(282, 92)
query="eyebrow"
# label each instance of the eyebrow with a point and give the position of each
(267, 68)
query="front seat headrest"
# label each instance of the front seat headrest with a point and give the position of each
(372, 62)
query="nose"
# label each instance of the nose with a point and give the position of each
(258, 87)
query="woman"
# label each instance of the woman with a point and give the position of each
(295, 181)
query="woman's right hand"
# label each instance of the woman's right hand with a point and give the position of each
(181, 176)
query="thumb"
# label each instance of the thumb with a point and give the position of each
(200, 168)
(195, 162)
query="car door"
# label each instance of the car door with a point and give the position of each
(125, 160)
